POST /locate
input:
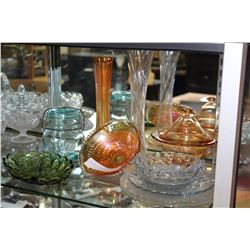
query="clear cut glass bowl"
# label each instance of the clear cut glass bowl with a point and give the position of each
(168, 168)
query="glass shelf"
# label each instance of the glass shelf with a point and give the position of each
(94, 192)
(76, 191)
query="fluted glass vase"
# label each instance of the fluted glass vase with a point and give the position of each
(168, 63)
(103, 77)
(139, 64)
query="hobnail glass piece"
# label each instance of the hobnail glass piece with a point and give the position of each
(185, 136)
(139, 65)
(107, 150)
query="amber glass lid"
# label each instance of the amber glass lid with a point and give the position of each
(186, 131)
(177, 111)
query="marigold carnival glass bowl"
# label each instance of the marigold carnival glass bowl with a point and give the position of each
(38, 168)
(167, 168)
(177, 110)
(185, 136)
(108, 149)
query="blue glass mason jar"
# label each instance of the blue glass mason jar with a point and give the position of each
(120, 104)
(63, 131)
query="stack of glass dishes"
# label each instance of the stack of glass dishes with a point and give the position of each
(169, 179)
(170, 173)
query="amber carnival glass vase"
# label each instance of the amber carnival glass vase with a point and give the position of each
(139, 64)
(113, 144)
(103, 77)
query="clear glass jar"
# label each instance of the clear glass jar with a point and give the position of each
(63, 131)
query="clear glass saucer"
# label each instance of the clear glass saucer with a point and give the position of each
(156, 199)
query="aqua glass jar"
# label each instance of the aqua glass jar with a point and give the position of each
(63, 131)
(120, 105)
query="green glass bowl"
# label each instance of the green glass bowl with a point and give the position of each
(38, 167)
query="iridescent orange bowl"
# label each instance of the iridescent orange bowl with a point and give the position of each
(110, 148)
(177, 110)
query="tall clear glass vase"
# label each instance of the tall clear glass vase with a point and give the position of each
(139, 64)
(103, 77)
(168, 63)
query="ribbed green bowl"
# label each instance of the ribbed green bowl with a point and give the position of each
(38, 167)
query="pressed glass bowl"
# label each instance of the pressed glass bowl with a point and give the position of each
(167, 168)
(110, 148)
(38, 168)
